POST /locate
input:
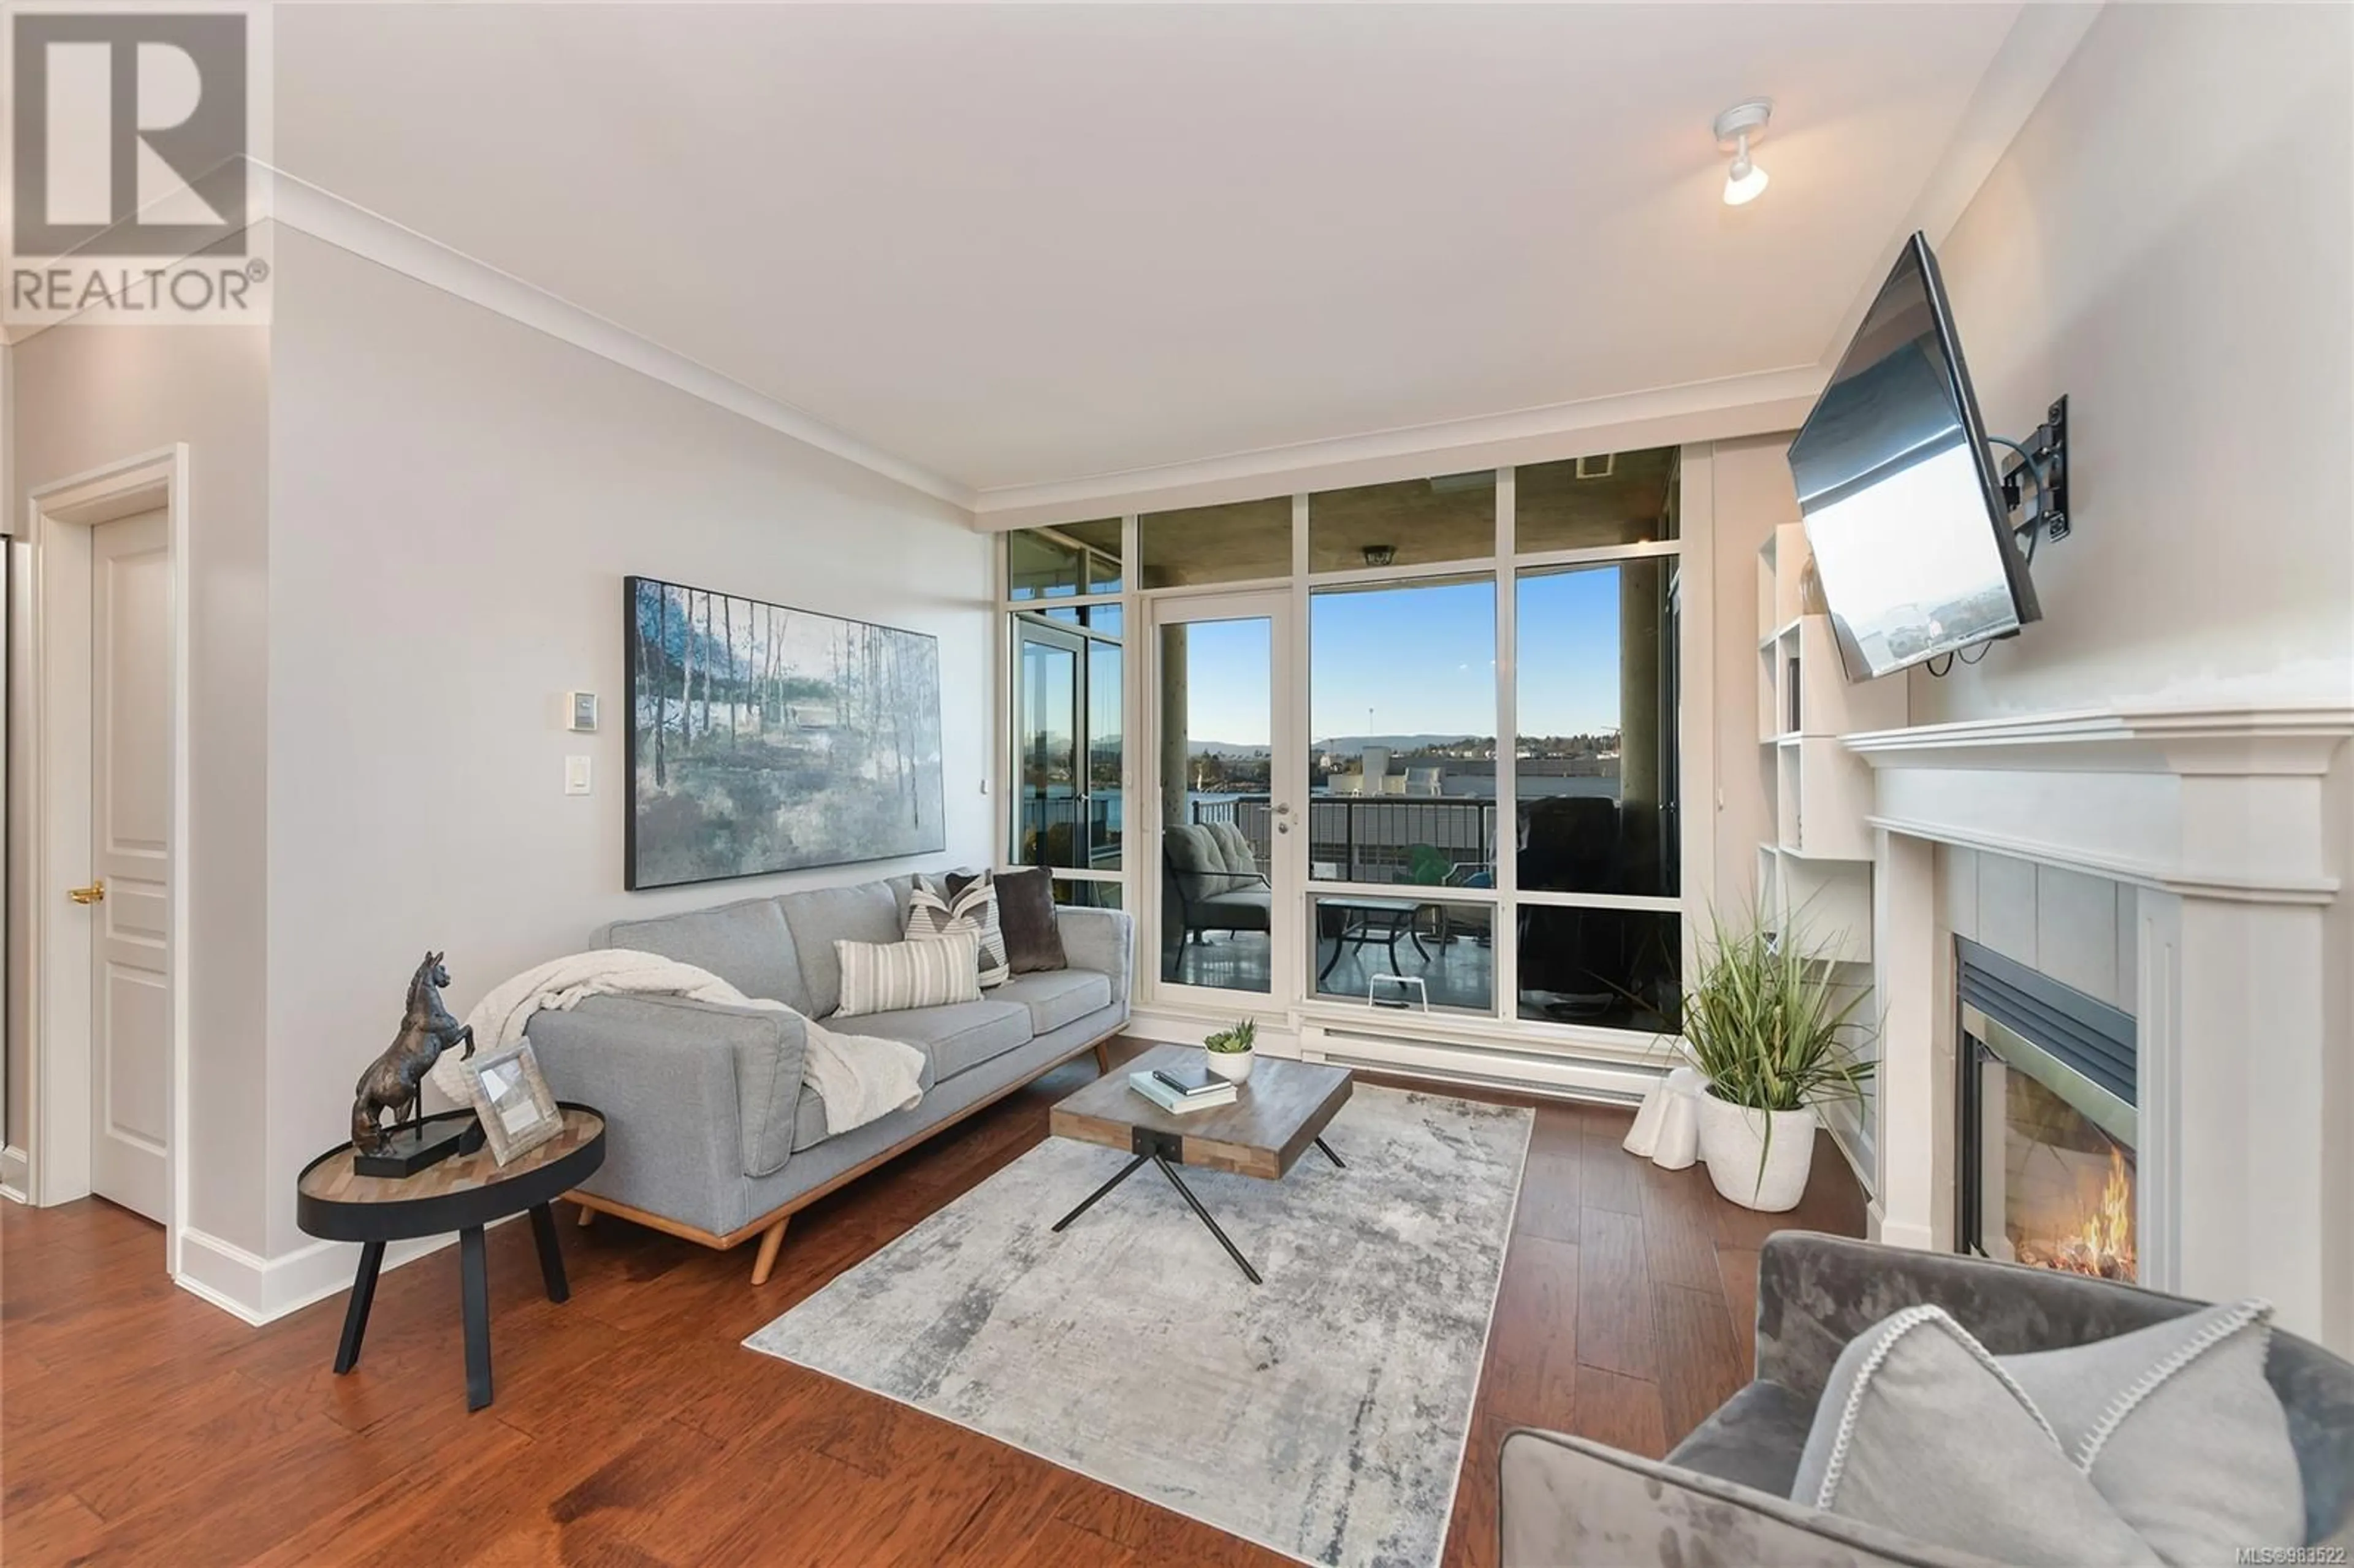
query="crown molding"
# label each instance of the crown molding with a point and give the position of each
(1725, 409)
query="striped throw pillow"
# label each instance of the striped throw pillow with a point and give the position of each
(887, 977)
(967, 904)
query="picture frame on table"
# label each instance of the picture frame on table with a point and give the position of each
(513, 1102)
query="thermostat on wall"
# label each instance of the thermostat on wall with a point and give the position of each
(582, 706)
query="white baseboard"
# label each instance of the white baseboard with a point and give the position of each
(258, 1289)
(15, 1174)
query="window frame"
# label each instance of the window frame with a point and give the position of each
(1691, 484)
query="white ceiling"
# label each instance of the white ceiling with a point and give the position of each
(1018, 246)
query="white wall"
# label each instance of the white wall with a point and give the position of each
(2167, 242)
(89, 395)
(455, 500)
(1753, 496)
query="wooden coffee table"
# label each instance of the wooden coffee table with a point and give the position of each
(1282, 1109)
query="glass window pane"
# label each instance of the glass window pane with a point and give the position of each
(1086, 895)
(1404, 952)
(1595, 760)
(1230, 543)
(1050, 812)
(1402, 751)
(1626, 498)
(1217, 703)
(1104, 742)
(1449, 518)
(1611, 968)
(1060, 562)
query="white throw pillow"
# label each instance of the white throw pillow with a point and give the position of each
(890, 977)
(970, 908)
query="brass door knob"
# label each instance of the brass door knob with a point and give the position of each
(94, 893)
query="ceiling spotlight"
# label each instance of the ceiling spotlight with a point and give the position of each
(1737, 127)
(1380, 555)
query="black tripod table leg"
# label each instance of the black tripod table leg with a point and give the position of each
(356, 1313)
(1126, 1172)
(1204, 1215)
(474, 1298)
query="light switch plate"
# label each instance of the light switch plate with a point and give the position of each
(576, 775)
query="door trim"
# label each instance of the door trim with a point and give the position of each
(58, 526)
(1279, 607)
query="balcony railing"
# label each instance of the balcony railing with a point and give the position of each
(1381, 837)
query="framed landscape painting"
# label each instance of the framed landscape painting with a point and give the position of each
(764, 739)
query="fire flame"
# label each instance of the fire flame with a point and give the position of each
(2101, 1244)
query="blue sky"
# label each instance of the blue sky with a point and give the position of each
(1423, 660)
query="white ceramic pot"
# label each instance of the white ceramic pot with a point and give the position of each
(1733, 1144)
(1231, 1065)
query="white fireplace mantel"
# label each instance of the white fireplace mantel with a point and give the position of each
(2221, 817)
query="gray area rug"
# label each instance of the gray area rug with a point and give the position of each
(1322, 1413)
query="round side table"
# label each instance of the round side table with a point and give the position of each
(462, 1193)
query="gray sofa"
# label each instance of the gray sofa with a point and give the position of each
(1722, 1495)
(711, 1133)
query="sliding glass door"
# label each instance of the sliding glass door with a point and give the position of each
(1225, 794)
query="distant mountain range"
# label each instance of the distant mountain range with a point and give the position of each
(1340, 745)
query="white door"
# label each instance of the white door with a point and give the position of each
(1226, 776)
(131, 853)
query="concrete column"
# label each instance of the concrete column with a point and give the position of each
(1176, 774)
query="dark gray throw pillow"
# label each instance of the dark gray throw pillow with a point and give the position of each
(1026, 911)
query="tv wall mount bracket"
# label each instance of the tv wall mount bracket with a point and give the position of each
(2042, 498)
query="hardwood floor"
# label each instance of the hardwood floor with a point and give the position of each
(137, 1424)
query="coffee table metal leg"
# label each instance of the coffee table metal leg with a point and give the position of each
(1204, 1214)
(1335, 1159)
(551, 1257)
(474, 1298)
(1125, 1172)
(356, 1313)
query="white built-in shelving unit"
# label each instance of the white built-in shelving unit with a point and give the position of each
(1817, 868)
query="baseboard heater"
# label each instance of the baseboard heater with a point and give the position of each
(1610, 1083)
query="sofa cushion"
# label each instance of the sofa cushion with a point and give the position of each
(1025, 914)
(1195, 855)
(892, 976)
(1235, 853)
(963, 1034)
(1246, 909)
(1057, 997)
(748, 945)
(2179, 1430)
(1921, 1431)
(862, 912)
(1755, 1438)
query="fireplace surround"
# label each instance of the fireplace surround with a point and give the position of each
(2045, 1097)
(2231, 824)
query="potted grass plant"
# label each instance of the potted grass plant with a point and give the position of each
(1230, 1050)
(1774, 1032)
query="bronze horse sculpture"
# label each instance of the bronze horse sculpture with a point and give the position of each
(395, 1079)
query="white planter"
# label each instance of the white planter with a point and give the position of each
(1732, 1143)
(1231, 1065)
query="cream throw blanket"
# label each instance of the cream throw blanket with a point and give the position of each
(859, 1077)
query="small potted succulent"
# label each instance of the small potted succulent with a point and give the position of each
(1230, 1051)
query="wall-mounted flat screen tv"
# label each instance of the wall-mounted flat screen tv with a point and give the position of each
(1903, 512)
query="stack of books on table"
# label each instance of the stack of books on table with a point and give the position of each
(1182, 1089)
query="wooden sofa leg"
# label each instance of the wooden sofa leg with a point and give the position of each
(1103, 1059)
(587, 1216)
(770, 1240)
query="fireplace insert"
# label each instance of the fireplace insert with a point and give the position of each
(2047, 1108)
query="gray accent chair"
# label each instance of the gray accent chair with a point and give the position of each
(711, 1132)
(1722, 1495)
